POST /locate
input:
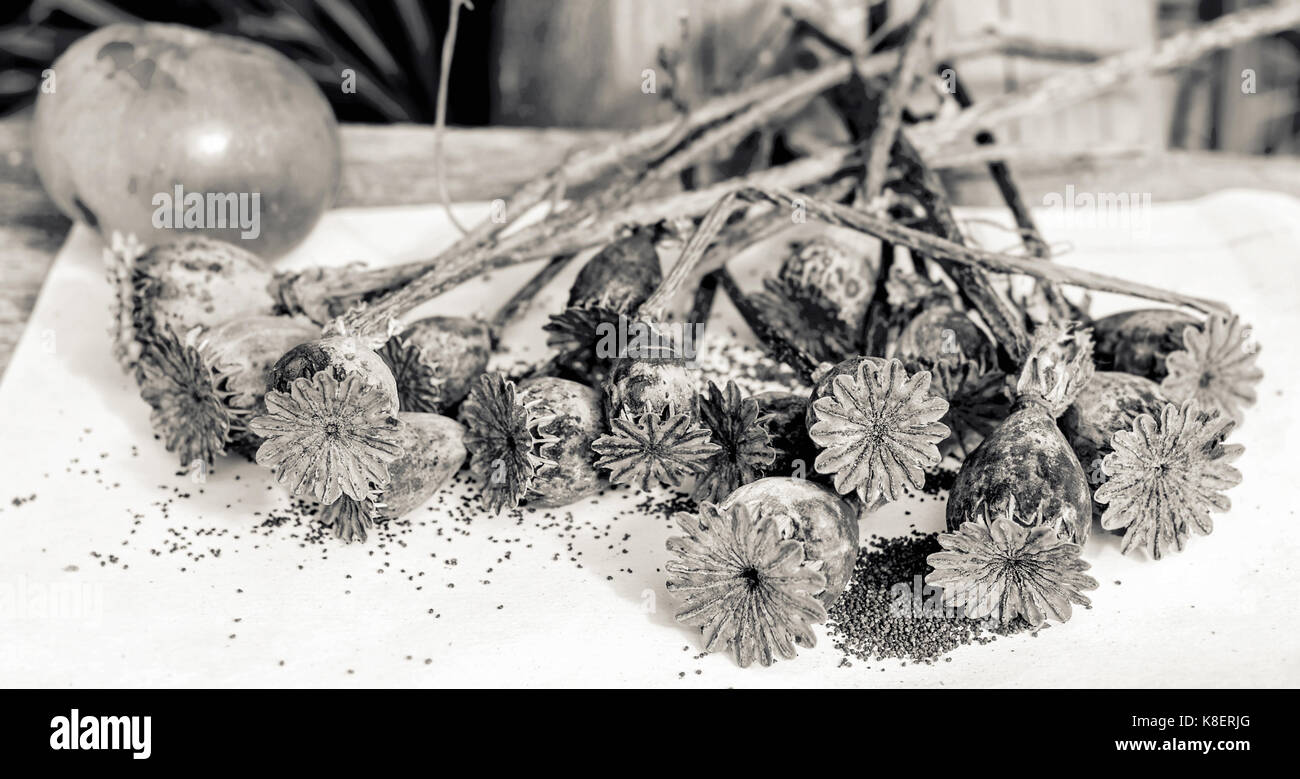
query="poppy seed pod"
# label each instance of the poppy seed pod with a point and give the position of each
(435, 360)
(341, 356)
(1027, 459)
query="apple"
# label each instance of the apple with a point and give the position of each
(155, 129)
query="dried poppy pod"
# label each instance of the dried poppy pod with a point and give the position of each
(877, 426)
(435, 360)
(655, 433)
(737, 427)
(199, 281)
(744, 584)
(1111, 401)
(203, 386)
(1003, 565)
(1138, 341)
(962, 361)
(941, 336)
(785, 414)
(613, 284)
(433, 449)
(532, 441)
(1165, 475)
(841, 277)
(1027, 458)
(194, 282)
(1211, 362)
(340, 356)
(818, 301)
(826, 524)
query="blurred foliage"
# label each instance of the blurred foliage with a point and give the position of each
(393, 46)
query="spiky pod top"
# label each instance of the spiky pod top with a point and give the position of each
(532, 441)
(655, 434)
(1212, 362)
(877, 426)
(1004, 565)
(736, 426)
(327, 438)
(435, 360)
(1216, 367)
(1165, 475)
(743, 584)
(826, 524)
(1027, 459)
(189, 283)
(189, 409)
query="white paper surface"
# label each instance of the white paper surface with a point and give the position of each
(103, 586)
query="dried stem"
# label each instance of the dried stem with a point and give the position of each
(942, 249)
(889, 116)
(1054, 158)
(1074, 86)
(440, 118)
(543, 241)
(1006, 184)
(775, 341)
(587, 165)
(528, 291)
(656, 306)
(1003, 320)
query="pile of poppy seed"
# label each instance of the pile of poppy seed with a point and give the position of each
(866, 623)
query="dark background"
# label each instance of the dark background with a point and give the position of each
(394, 46)
(577, 63)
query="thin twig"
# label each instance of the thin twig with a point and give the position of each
(774, 341)
(915, 240)
(1032, 238)
(1035, 157)
(889, 116)
(440, 119)
(542, 241)
(939, 248)
(525, 294)
(1074, 86)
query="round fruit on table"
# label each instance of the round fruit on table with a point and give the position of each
(155, 129)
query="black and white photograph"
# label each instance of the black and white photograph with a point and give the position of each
(650, 344)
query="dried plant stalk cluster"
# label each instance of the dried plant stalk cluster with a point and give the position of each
(914, 355)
